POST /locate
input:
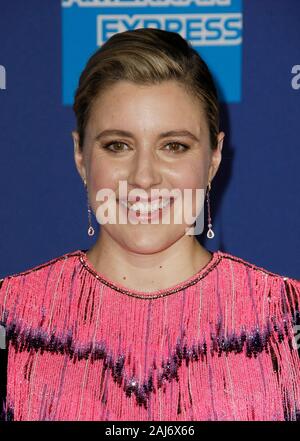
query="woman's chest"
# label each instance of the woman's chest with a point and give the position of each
(47, 386)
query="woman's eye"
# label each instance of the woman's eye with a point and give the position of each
(117, 146)
(178, 147)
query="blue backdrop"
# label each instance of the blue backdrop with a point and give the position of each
(255, 196)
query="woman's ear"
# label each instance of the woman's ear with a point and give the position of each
(216, 157)
(221, 137)
(78, 156)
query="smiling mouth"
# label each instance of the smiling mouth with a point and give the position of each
(147, 208)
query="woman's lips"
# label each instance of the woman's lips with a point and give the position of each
(148, 215)
(144, 201)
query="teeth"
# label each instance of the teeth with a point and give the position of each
(146, 207)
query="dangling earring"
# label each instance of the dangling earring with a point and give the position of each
(210, 234)
(91, 230)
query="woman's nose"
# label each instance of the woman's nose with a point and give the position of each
(144, 170)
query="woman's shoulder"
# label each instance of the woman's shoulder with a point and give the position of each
(248, 277)
(238, 262)
(24, 292)
(39, 269)
(259, 291)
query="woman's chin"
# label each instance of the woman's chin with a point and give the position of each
(149, 239)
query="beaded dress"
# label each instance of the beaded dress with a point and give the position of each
(219, 346)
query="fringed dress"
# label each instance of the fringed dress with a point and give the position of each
(221, 345)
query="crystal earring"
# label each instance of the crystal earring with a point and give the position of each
(91, 230)
(210, 234)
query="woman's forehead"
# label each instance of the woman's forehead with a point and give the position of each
(160, 107)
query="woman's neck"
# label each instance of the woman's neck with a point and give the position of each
(148, 272)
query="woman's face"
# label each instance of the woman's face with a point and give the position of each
(146, 159)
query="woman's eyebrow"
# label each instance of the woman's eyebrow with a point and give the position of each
(130, 135)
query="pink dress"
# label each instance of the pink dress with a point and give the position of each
(220, 346)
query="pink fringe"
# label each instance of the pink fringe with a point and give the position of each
(222, 348)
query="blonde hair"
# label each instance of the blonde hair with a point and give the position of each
(146, 56)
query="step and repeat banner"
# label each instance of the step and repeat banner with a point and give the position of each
(253, 50)
(214, 27)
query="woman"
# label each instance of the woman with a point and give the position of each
(148, 324)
